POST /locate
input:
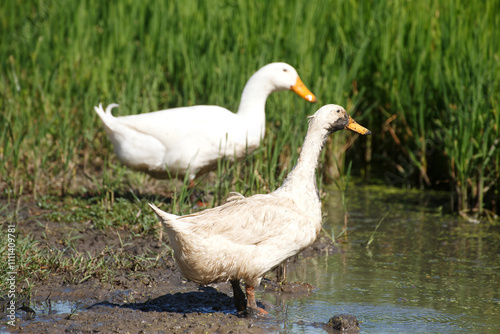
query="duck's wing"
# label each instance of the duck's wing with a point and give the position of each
(195, 136)
(248, 221)
(178, 124)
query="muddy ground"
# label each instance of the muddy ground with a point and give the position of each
(141, 300)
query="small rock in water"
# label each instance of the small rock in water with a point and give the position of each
(344, 323)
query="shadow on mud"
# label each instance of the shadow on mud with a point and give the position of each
(205, 300)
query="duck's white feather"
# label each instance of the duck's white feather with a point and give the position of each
(209, 251)
(246, 237)
(192, 139)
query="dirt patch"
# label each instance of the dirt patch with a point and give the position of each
(154, 299)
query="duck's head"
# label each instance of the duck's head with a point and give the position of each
(332, 117)
(284, 77)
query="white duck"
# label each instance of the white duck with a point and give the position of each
(190, 140)
(246, 237)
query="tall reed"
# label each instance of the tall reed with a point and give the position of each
(422, 76)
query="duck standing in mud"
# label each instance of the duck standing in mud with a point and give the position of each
(248, 236)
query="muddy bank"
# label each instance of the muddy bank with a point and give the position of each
(136, 298)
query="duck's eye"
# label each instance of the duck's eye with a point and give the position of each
(285, 70)
(338, 110)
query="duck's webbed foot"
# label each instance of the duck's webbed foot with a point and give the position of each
(249, 307)
(252, 308)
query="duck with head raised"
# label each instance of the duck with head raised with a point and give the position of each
(248, 236)
(190, 140)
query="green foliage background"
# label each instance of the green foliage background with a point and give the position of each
(422, 75)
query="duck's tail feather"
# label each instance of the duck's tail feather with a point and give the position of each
(165, 217)
(105, 114)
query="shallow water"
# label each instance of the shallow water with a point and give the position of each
(424, 272)
(55, 307)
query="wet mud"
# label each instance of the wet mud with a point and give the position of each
(140, 300)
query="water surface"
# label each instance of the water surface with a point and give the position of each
(425, 271)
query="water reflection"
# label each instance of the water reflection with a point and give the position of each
(425, 271)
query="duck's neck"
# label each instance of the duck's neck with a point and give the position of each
(252, 107)
(303, 176)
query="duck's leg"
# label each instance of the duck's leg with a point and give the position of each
(251, 303)
(239, 296)
(160, 234)
(196, 197)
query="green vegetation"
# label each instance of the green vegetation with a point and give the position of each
(437, 68)
(422, 76)
(58, 251)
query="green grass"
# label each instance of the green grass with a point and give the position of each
(422, 76)
(37, 262)
(40, 258)
(436, 69)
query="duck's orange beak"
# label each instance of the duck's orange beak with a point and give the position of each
(300, 89)
(353, 126)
